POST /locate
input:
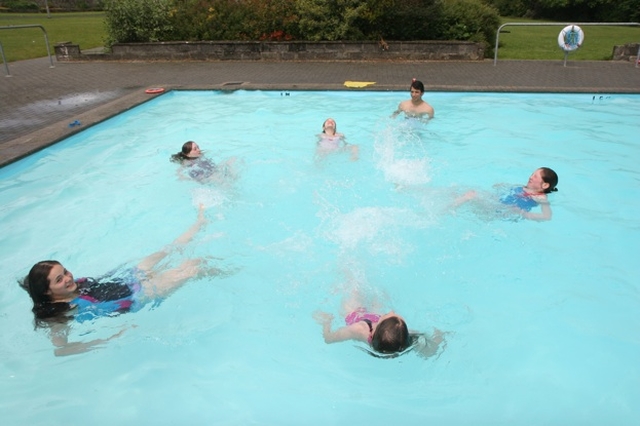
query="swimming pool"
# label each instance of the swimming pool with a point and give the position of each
(543, 318)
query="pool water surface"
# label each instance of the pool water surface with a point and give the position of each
(542, 319)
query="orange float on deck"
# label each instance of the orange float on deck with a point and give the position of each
(154, 91)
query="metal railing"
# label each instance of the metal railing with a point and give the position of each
(560, 24)
(15, 27)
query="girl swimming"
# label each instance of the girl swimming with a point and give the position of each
(59, 298)
(523, 199)
(386, 334)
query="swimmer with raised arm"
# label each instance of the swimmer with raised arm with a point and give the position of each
(330, 141)
(523, 199)
(415, 107)
(59, 298)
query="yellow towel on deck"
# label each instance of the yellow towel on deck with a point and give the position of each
(358, 83)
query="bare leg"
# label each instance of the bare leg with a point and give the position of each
(466, 197)
(354, 297)
(193, 230)
(162, 284)
(355, 151)
(148, 263)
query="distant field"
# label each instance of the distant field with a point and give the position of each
(542, 42)
(88, 30)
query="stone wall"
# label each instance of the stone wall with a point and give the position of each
(626, 52)
(280, 51)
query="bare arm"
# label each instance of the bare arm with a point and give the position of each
(397, 111)
(350, 332)
(545, 213)
(60, 339)
(180, 173)
(430, 111)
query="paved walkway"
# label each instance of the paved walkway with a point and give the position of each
(39, 102)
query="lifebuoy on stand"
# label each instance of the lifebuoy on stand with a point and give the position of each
(570, 39)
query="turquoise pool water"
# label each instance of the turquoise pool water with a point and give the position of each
(543, 318)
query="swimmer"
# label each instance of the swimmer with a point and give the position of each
(386, 334)
(59, 298)
(523, 199)
(198, 167)
(415, 107)
(331, 141)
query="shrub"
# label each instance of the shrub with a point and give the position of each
(314, 20)
(334, 19)
(409, 20)
(131, 21)
(234, 19)
(21, 6)
(471, 20)
(275, 19)
(511, 7)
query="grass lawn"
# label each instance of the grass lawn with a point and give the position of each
(87, 29)
(84, 28)
(522, 42)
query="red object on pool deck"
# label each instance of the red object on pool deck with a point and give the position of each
(154, 90)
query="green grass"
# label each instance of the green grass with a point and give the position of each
(85, 28)
(542, 42)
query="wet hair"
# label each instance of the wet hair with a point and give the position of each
(325, 122)
(36, 283)
(550, 177)
(45, 310)
(183, 154)
(414, 341)
(391, 336)
(417, 84)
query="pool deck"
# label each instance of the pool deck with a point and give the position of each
(40, 102)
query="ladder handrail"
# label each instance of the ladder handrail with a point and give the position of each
(46, 42)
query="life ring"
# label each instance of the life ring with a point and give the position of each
(570, 38)
(154, 91)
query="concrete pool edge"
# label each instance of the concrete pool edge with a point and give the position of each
(21, 147)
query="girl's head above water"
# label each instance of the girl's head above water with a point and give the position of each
(391, 335)
(36, 283)
(542, 181)
(189, 151)
(50, 285)
(329, 123)
(550, 178)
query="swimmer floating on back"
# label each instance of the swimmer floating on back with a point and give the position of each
(330, 141)
(59, 298)
(200, 168)
(523, 199)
